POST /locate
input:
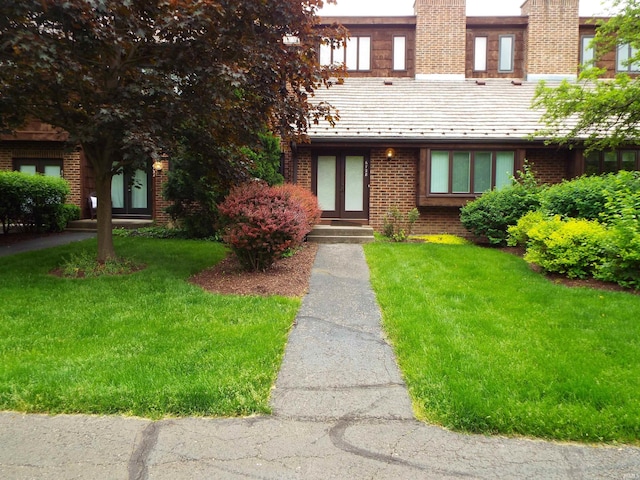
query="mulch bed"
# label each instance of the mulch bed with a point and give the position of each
(288, 277)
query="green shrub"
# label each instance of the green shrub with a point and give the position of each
(397, 226)
(494, 212)
(622, 212)
(584, 197)
(33, 202)
(572, 247)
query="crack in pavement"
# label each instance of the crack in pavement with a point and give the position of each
(337, 434)
(138, 463)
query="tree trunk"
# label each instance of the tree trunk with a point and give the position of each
(106, 250)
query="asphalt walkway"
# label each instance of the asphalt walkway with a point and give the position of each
(43, 242)
(340, 407)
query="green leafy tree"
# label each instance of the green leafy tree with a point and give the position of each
(130, 79)
(603, 114)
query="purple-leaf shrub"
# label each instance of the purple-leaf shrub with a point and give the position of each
(260, 223)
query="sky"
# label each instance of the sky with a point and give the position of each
(474, 7)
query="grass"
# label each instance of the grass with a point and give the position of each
(147, 344)
(488, 346)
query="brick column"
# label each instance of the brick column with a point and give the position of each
(552, 39)
(440, 39)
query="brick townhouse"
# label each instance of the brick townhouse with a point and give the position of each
(435, 111)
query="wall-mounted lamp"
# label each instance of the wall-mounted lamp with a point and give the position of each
(390, 153)
(157, 167)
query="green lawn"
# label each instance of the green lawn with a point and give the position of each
(147, 344)
(486, 345)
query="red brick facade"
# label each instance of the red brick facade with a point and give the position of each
(393, 184)
(552, 36)
(440, 38)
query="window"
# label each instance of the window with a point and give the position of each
(356, 54)
(624, 62)
(330, 54)
(480, 54)
(399, 53)
(359, 53)
(505, 54)
(587, 50)
(48, 167)
(597, 163)
(469, 172)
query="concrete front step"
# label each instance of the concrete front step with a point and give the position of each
(341, 234)
(88, 225)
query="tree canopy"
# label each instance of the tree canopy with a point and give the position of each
(602, 113)
(130, 79)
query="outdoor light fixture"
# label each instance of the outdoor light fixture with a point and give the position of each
(157, 167)
(390, 153)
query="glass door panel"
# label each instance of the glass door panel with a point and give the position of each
(139, 190)
(327, 182)
(117, 191)
(354, 184)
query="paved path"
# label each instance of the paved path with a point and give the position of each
(340, 411)
(45, 242)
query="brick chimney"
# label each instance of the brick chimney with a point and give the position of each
(440, 39)
(552, 39)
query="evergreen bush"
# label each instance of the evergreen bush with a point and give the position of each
(33, 202)
(495, 211)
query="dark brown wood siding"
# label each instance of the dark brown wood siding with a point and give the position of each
(493, 34)
(382, 32)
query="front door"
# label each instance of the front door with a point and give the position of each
(131, 194)
(341, 183)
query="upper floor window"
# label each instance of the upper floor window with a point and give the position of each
(48, 167)
(356, 54)
(624, 62)
(505, 53)
(330, 54)
(597, 163)
(587, 50)
(469, 172)
(480, 54)
(399, 53)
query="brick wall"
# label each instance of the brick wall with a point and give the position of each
(160, 216)
(393, 184)
(6, 162)
(70, 162)
(304, 168)
(552, 36)
(440, 38)
(549, 165)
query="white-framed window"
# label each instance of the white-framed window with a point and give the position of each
(469, 172)
(399, 53)
(625, 55)
(506, 53)
(480, 54)
(358, 53)
(331, 54)
(587, 50)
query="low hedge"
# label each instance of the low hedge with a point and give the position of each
(34, 202)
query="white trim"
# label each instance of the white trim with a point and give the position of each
(552, 77)
(440, 76)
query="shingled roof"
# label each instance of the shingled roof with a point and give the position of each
(404, 109)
